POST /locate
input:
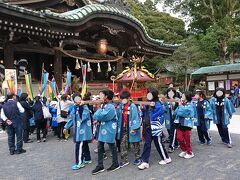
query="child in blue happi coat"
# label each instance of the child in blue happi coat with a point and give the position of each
(184, 123)
(203, 115)
(53, 110)
(129, 130)
(153, 127)
(107, 117)
(223, 110)
(82, 127)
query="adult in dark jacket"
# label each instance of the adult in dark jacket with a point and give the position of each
(41, 123)
(23, 99)
(11, 113)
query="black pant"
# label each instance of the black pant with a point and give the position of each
(158, 144)
(41, 125)
(82, 152)
(60, 130)
(203, 134)
(173, 136)
(113, 149)
(223, 132)
(13, 130)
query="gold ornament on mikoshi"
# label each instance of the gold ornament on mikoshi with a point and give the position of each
(102, 46)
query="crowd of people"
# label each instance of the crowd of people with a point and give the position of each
(119, 123)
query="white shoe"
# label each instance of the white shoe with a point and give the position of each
(95, 150)
(166, 161)
(182, 154)
(144, 165)
(188, 156)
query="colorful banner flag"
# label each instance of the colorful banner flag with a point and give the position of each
(84, 83)
(45, 80)
(28, 80)
(68, 83)
(10, 84)
(54, 87)
(50, 91)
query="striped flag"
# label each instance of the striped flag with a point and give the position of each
(28, 80)
(84, 83)
(45, 80)
(10, 83)
(68, 83)
(50, 91)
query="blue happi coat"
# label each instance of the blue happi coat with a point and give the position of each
(82, 125)
(184, 115)
(227, 113)
(133, 122)
(107, 117)
(167, 114)
(156, 116)
(53, 112)
(207, 111)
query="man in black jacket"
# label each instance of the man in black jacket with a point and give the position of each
(26, 117)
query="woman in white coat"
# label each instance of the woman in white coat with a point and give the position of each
(62, 115)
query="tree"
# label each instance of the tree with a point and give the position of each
(219, 17)
(159, 25)
(186, 59)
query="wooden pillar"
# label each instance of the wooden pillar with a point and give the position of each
(119, 67)
(8, 56)
(58, 69)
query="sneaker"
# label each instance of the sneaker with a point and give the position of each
(105, 156)
(65, 140)
(166, 161)
(209, 142)
(182, 154)
(170, 150)
(143, 166)
(11, 152)
(113, 168)
(87, 162)
(137, 162)
(201, 143)
(58, 140)
(229, 145)
(176, 147)
(20, 151)
(44, 140)
(189, 156)
(97, 170)
(122, 164)
(38, 141)
(77, 166)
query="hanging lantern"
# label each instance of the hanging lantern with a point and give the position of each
(99, 68)
(102, 46)
(109, 67)
(77, 65)
(89, 67)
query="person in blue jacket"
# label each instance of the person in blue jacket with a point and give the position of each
(82, 127)
(184, 124)
(223, 110)
(153, 126)
(235, 95)
(170, 106)
(203, 115)
(129, 130)
(107, 117)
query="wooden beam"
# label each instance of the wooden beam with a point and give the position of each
(58, 68)
(86, 44)
(35, 49)
(8, 55)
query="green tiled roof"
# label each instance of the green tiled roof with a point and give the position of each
(82, 13)
(218, 69)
